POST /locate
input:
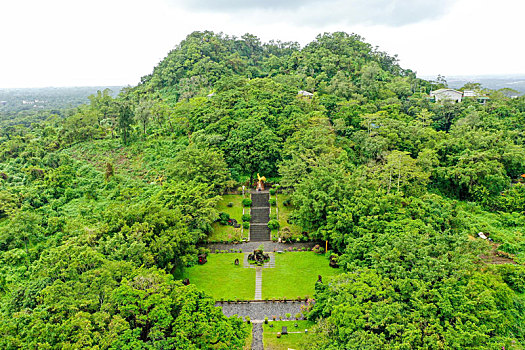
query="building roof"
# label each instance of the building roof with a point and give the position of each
(305, 93)
(442, 91)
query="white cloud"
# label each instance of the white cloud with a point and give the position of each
(314, 12)
(114, 42)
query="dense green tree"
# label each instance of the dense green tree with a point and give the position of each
(253, 148)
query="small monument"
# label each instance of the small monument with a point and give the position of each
(284, 330)
(260, 182)
(320, 279)
(258, 257)
(186, 281)
(236, 262)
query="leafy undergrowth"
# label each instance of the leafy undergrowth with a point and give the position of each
(506, 229)
(148, 160)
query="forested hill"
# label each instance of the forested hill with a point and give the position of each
(203, 59)
(99, 210)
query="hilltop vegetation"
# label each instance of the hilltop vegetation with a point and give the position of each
(100, 208)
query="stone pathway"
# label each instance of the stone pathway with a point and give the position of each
(258, 283)
(257, 336)
(257, 311)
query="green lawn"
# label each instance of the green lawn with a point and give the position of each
(295, 274)
(296, 341)
(284, 214)
(221, 278)
(224, 232)
(236, 210)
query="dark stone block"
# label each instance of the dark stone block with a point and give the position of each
(284, 330)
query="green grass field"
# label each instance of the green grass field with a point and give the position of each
(284, 214)
(221, 278)
(225, 232)
(295, 274)
(297, 341)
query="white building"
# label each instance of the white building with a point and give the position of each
(447, 95)
(305, 93)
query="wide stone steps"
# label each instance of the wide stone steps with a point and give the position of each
(260, 215)
(260, 199)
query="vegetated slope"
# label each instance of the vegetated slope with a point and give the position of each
(99, 209)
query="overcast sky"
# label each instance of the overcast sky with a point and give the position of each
(115, 42)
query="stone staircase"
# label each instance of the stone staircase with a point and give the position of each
(260, 213)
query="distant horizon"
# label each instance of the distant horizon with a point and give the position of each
(425, 77)
(49, 45)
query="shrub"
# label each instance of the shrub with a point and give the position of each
(246, 202)
(266, 320)
(273, 191)
(273, 202)
(298, 316)
(246, 217)
(273, 224)
(223, 218)
(288, 315)
(230, 204)
(216, 251)
(246, 225)
(247, 318)
(273, 216)
(287, 202)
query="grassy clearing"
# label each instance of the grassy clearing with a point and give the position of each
(235, 211)
(225, 232)
(284, 214)
(294, 340)
(221, 278)
(295, 274)
(147, 161)
(505, 229)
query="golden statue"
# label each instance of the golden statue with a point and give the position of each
(260, 182)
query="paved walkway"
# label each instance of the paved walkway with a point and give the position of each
(257, 336)
(258, 283)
